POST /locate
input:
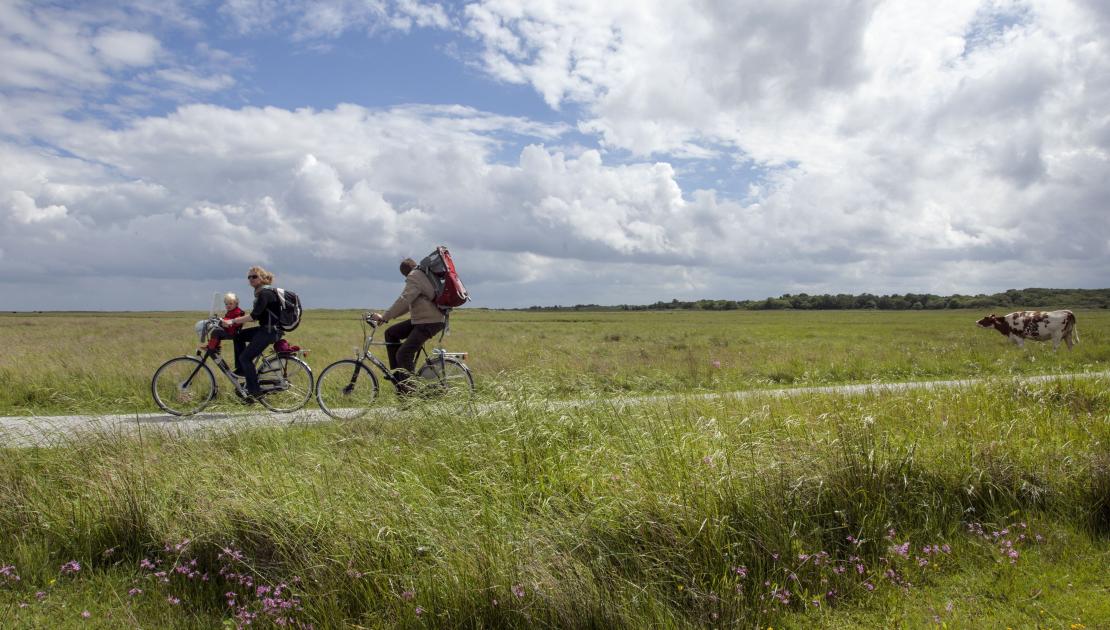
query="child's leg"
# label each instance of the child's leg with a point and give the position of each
(214, 339)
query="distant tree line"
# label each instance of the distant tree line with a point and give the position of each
(1014, 299)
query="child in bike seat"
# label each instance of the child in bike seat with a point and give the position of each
(231, 303)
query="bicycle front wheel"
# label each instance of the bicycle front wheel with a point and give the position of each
(346, 389)
(286, 385)
(450, 377)
(183, 386)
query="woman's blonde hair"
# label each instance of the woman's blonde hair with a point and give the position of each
(265, 276)
(231, 297)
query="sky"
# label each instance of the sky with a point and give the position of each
(565, 151)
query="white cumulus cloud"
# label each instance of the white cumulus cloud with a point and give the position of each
(698, 149)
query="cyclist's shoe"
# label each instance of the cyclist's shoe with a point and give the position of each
(247, 398)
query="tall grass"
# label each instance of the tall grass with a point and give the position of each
(102, 362)
(681, 513)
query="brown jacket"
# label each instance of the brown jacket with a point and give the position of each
(416, 297)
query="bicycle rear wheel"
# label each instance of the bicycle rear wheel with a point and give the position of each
(346, 389)
(286, 384)
(449, 378)
(183, 386)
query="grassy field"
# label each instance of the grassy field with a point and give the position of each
(66, 363)
(980, 507)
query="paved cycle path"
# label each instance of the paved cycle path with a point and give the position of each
(25, 431)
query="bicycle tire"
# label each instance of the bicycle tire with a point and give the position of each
(346, 389)
(453, 379)
(183, 386)
(287, 387)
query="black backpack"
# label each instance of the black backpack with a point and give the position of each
(289, 310)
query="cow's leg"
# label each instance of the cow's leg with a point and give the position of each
(1055, 343)
(1018, 341)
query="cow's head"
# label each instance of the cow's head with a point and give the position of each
(994, 321)
(988, 321)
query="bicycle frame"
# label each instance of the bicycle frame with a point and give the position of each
(364, 354)
(226, 370)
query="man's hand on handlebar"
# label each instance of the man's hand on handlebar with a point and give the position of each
(225, 323)
(373, 318)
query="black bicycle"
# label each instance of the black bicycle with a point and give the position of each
(347, 388)
(186, 385)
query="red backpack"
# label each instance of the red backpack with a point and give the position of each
(440, 269)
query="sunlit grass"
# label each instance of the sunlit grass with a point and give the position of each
(600, 515)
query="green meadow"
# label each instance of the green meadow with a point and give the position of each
(58, 363)
(979, 507)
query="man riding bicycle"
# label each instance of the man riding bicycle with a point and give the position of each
(404, 340)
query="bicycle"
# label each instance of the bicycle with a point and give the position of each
(347, 387)
(186, 385)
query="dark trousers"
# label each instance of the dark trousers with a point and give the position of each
(402, 342)
(249, 343)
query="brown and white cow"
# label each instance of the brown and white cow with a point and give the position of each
(1035, 325)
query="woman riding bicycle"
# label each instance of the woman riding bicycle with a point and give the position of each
(251, 342)
(424, 323)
